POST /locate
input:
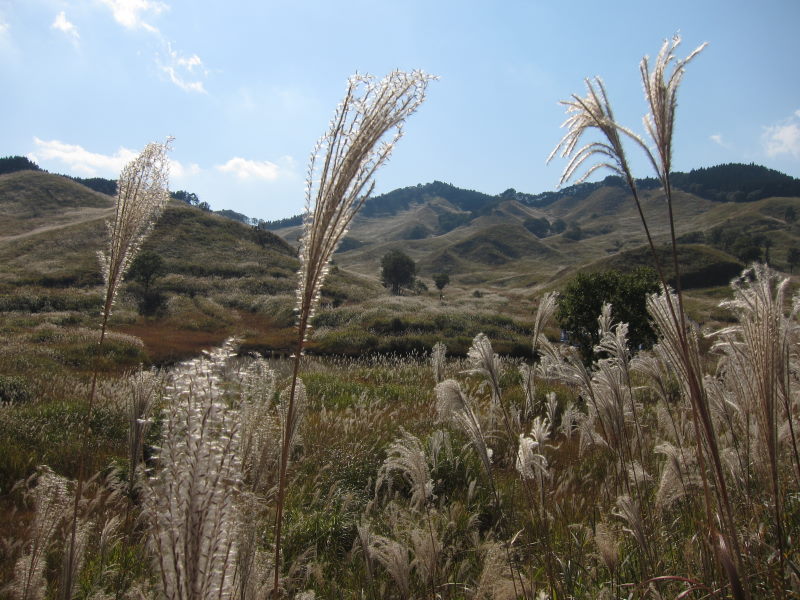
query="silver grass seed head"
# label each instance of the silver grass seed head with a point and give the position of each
(450, 400)
(661, 94)
(406, 456)
(540, 430)
(525, 453)
(343, 164)
(592, 112)
(483, 361)
(531, 463)
(438, 354)
(607, 546)
(544, 313)
(142, 193)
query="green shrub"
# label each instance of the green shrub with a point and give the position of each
(34, 300)
(14, 389)
(114, 354)
(50, 433)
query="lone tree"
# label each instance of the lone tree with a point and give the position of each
(540, 227)
(441, 280)
(397, 270)
(793, 258)
(145, 268)
(581, 302)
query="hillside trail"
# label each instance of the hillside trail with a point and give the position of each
(66, 219)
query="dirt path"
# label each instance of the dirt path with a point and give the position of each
(65, 219)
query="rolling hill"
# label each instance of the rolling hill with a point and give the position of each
(223, 277)
(521, 240)
(220, 277)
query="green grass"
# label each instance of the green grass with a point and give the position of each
(224, 280)
(356, 408)
(48, 432)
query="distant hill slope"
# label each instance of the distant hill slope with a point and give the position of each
(51, 225)
(733, 182)
(499, 244)
(32, 199)
(523, 239)
(701, 266)
(736, 182)
(16, 164)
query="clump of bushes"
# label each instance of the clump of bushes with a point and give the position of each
(14, 389)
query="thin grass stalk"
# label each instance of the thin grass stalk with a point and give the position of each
(661, 92)
(435, 575)
(657, 368)
(351, 152)
(191, 500)
(612, 369)
(757, 346)
(575, 374)
(538, 513)
(455, 407)
(142, 193)
(594, 112)
(407, 455)
(787, 407)
(614, 343)
(661, 95)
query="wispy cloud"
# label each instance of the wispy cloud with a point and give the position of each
(131, 14)
(82, 161)
(61, 23)
(783, 138)
(79, 161)
(183, 70)
(180, 171)
(251, 169)
(188, 86)
(4, 27)
(718, 139)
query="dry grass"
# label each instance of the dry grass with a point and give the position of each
(378, 477)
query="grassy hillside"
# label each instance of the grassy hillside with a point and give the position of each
(31, 200)
(222, 277)
(493, 248)
(219, 278)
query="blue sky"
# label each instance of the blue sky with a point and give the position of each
(247, 86)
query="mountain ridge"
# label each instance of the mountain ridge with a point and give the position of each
(509, 239)
(719, 183)
(222, 277)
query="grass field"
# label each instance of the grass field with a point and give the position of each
(389, 496)
(442, 448)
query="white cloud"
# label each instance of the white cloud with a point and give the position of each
(3, 26)
(62, 24)
(178, 66)
(189, 63)
(130, 13)
(82, 161)
(179, 69)
(246, 169)
(783, 138)
(178, 171)
(717, 139)
(187, 86)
